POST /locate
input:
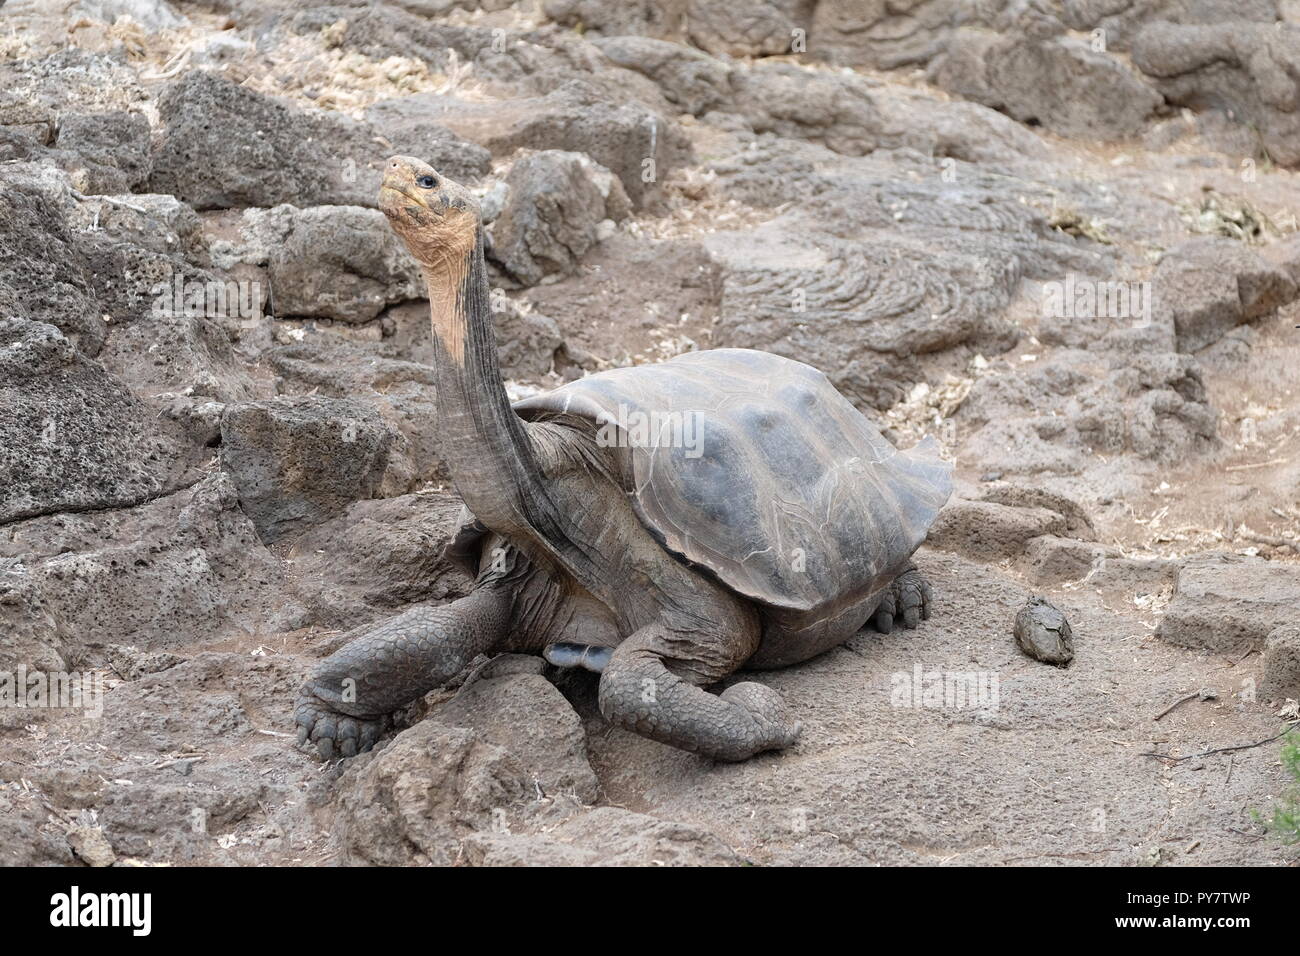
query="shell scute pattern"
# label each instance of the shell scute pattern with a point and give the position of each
(773, 481)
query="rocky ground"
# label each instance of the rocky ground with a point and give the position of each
(220, 452)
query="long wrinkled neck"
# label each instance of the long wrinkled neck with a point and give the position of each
(482, 440)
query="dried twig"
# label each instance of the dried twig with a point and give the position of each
(1222, 750)
(1273, 541)
(1203, 694)
(81, 197)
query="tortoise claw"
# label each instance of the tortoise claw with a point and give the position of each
(332, 734)
(907, 599)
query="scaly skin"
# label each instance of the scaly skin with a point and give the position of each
(639, 693)
(908, 598)
(392, 665)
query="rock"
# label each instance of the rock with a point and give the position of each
(273, 452)
(166, 225)
(36, 90)
(183, 569)
(690, 79)
(1059, 83)
(556, 204)
(91, 846)
(376, 558)
(846, 280)
(35, 636)
(525, 715)
(640, 147)
(401, 391)
(170, 357)
(528, 342)
(989, 531)
(223, 146)
(418, 797)
(664, 21)
(806, 104)
(341, 262)
(201, 704)
(1054, 416)
(131, 663)
(1280, 675)
(759, 28)
(72, 437)
(1250, 72)
(413, 135)
(44, 276)
(1212, 284)
(881, 36)
(87, 265)
(1050, 559)
(181, 820)
(1077, 522)
(112, 150)
(1227, 603)
(1043, 633)
(605, 836)
(153, 15)
(26, 836)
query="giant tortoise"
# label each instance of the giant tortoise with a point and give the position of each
(663, 525)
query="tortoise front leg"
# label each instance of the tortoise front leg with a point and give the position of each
(349, 699)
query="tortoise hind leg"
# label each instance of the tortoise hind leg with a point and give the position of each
(908, 598)
(638, 691)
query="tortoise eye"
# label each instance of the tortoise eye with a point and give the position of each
(426, 182)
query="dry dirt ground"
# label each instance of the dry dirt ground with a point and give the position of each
(1174, 551)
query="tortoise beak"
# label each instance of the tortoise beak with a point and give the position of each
(394, 191)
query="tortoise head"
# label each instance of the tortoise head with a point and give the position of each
(437, 218)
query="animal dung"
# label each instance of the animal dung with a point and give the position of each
(1044, 634)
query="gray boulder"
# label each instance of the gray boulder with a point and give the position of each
(528, 343)
(339, 262)
(552, 216)
(882, 36)
(297, 462)
(806, 104)
(1228, 603)
(28, 837)
(1249, 72)
(73, 437)
(1059, 83)
(376, 558)
(1210, 285)
(183, 569)
(635, 143)
(44, 276)
(1281, 667)
(418, 797)
(690, 79)
(524, 714)
(988, 531)
(112, 150)
(223, 146)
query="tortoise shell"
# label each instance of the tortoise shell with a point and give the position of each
(753, 467)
